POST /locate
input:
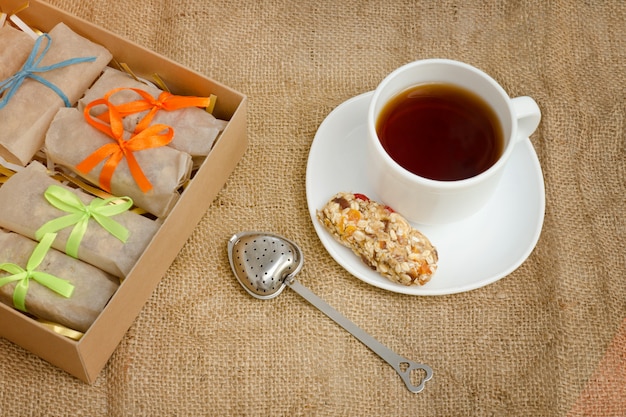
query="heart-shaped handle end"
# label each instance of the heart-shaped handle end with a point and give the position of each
(415, 375)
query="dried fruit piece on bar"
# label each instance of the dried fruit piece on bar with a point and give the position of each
(382, 238)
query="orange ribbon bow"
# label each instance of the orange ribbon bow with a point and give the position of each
(113, 153)
(166, 101)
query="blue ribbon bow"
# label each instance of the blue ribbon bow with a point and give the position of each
(31, 67)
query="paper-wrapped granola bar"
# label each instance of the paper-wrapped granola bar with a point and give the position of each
(14, 49)
(63, 66)
(51, 285)
(32, 202)
(195, 129)
(70, 141)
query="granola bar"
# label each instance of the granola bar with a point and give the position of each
(383, 239)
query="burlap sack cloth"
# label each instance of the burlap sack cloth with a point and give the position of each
(548, 340)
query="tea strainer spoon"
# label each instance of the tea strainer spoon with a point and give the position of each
(265, 263)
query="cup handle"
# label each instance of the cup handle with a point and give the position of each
(528, 115)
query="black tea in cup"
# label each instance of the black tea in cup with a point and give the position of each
(440, 131)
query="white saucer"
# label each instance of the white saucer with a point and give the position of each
(472, 253)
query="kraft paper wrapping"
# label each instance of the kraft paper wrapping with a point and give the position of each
(28, 113)
(92, 287)
(24, 209)
(15, 46)
(195, 130)
(70, 140)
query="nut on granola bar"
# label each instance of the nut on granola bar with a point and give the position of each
(383, 239)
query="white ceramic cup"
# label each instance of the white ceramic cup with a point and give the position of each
(427, 201)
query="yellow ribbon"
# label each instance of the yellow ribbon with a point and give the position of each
(60, 329)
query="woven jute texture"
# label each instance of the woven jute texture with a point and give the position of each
(547, 340)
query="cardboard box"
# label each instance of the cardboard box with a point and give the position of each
(85, 358)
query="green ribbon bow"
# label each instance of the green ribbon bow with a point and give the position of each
(98, 209)
(23, 276)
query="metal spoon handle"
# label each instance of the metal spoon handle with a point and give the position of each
(403, 366)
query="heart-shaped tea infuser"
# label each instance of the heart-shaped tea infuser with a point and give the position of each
(264, 263)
